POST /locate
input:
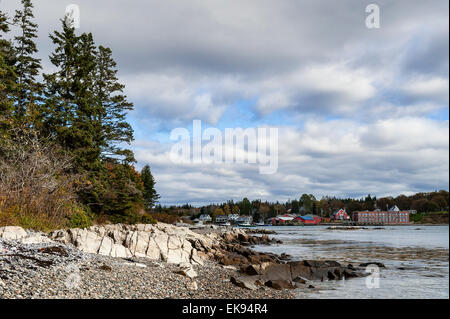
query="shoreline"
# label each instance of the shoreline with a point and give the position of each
(206, 263)
(36, 267)
(132, 261)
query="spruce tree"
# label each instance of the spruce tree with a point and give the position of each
(7, 77)
(113, 107)
(27, 66)
(70, 108)
(84, 133)
(59, 109)
(150, 194)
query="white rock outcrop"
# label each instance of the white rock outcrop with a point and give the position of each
(160, 242)
(21, 235)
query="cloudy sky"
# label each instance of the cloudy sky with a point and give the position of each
(358, 110)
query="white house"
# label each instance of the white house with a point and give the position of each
(245, 220)
(221, 219)
(285, 218)
(205, 218)
(233, 217)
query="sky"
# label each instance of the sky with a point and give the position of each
(358, 111)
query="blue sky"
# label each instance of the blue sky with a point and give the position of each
(358, 110)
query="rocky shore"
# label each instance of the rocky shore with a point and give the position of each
(152, 261)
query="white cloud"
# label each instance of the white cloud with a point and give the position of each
(429, 88)
(332, 87)
(339, 157)
(172, 97)
(310, 60)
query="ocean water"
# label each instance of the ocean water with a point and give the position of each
(416, 259)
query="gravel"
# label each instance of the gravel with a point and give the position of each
(36, 271)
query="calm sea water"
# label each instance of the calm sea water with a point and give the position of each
(416, 259)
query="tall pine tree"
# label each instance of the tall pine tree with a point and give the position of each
(59, 109)
(7, 77)
(28, 90)
(84, 133)
(150, 195)
(113, 106)
(70, 108)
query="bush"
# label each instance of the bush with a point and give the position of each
(80, 218)
(146, 219)
(13, 216)
(37, 190)
(170, 218)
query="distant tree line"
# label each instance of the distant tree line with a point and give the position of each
(308, 204)
(80, 110)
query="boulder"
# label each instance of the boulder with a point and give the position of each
(247, 282)
(195, 258)
(106, 246)
(175, 256)
(12, 233)
(251, 270)
(316, 270)
(187, 270)
(299, 280)
(229, 237)
(87, 241)
(21, 235)
(120, 251)
(152, 251)
(275, 272)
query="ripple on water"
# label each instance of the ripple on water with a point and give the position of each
(417, 260)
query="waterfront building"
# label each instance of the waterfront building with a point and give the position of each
(245, 220)
(205, 218)
(381, 217)
(233, 217)
(309, 219)
(340, 214)
(221, 219)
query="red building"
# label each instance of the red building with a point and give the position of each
(309, 220)
(340, 214)
(381, 217)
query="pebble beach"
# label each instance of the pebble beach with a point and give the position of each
(39, 271)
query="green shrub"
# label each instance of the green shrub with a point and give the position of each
(80, 218)
(148, 220)
(416, 217)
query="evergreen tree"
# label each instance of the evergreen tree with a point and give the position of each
(85, 132)
(122, 199)
(246, 207)
(113, 107)
(27, 66)
(7, 77)
(150, 194)
(71, 111)
(58, 113)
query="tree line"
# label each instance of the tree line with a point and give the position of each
(308, 204)
(79, 112)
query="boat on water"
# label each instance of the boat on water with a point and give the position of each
(246, 225)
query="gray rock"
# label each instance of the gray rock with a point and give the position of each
(247, 282)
